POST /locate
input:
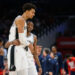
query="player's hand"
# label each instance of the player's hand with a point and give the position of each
(16, 42)
(40, 70)
(7, 44)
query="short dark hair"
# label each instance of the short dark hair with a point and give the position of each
(47, 51)
(28, 6)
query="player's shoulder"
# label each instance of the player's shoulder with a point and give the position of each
(19, 18)
(35, 37)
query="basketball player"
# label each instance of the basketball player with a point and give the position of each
(30, 54)
(33, 39)
(17, 59)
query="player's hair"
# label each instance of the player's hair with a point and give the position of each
(29, 21)
(28, 6)
(53, 46)
(47, 50)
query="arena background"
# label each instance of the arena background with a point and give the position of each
(54, 22)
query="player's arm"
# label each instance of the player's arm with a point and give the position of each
(1, 51)
(8, 44)
(35, 54)
(15, 42)
(22, 38)
(11, 40)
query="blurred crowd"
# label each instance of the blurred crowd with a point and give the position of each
(51, 61)
(43, 22)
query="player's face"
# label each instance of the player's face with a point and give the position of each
(39, 50)
(30, 26)
(31, 13)
(54, 50)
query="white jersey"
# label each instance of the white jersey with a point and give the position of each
(24, 60)
(19, 50)
(31, 38)
(30, 58)
(12, 35)
(21, 36)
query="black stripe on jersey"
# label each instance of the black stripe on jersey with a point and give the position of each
(12, 54)
(17, 36)
(12, 57)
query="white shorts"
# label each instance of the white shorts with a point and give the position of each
(20, 58)
(31, 68)
(24, 62)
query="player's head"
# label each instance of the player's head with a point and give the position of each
(54, 49)
(30, 26)
(39, 49)
(46, 51)
(29, 9)
(68, 56)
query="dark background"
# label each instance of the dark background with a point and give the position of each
(50, 14)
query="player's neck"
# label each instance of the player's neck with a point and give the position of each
(24, 16)
(28, 33)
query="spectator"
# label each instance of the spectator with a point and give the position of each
(1, 57)
(39, 48)
(70, 61)
(6, 66)
(45, 65)
(58, 57)
(65, 65)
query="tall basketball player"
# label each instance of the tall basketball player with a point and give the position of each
(30, 53)
(17, 59)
